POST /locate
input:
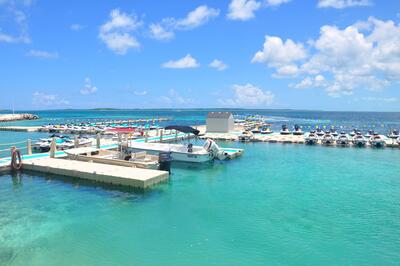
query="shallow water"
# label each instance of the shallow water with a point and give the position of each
(278, 204)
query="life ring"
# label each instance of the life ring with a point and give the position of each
(16, 155)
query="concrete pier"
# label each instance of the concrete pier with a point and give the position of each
(111, 174)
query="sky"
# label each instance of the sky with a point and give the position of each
(272, 54)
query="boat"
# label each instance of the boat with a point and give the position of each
(285, 130)
(256, 130)
(62, 143)
(328, 139)
(359, 140)
(266, 130)
(354, 132)
(394, 134)
(311, 138)
(320, 133)
(343, 139)
(246, 136)
(114, 157)
(369, 134)
(377, 141)
(334, 133)
(180, 152)
(297, 130)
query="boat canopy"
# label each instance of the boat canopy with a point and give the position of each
(184, 129)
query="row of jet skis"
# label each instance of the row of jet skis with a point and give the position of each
(62, 143)
(93, 128)
(330, 137)
(355, 138)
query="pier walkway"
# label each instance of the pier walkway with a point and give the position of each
(111, 174)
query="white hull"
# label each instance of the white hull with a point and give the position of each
(178, 152)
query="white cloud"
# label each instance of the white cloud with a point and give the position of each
(186, 62)
(245, 9)
(363, 55)
(218, 65)
(165, 29)
(339, 4)
(311, 82)
(117, 32)
(77, 27)
(140, 93)
(42, 54)
(281, 55)
(15, 13)
(44, 99)
(197, 17)
(159, 32)
(88, 87)
(174, 98)
(249, 95)
(242, 9)
(277, 2)
(380, 99)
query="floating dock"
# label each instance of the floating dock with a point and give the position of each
(112, 174)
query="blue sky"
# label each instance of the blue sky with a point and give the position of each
(314, 54)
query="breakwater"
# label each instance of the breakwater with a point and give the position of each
(15, 117)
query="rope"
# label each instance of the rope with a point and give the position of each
(9, 144)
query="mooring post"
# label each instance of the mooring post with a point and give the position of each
(157, 132)
(29, 147)
(98, 141)
(161, 135)
(176, 135)
(146, 136)
(53, 148)
(76, 141)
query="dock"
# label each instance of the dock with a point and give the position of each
(111, 174)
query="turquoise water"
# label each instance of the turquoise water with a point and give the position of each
(278, 204)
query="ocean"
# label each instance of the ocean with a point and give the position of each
(277, 204)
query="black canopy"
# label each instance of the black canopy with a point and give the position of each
(184, 129)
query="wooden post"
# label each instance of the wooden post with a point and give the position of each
(146, 136)
(176, 135)
(29, 147)
(157, 132)
(161, 135)
(98, 141)
(53, 148)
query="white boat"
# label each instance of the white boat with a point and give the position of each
(343, 139)
(359, 140)
(334, 133)
(311, 138)
(377, 141)
(180, 152)
(354, 132)
(266, 130)
(394, 134)
(328, 139)
(297, 130)
(320, 133)
(369, 134)
(246, 136)
(285, 130)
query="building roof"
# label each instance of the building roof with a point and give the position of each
(219, 114)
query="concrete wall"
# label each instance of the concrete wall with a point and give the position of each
(222, 125)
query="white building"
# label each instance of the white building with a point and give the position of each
(220, 122)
